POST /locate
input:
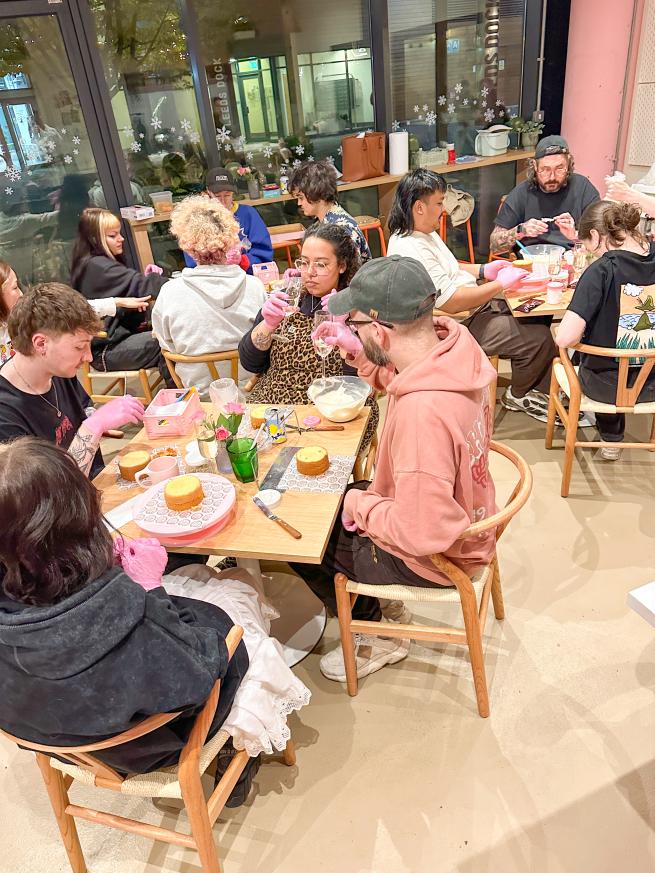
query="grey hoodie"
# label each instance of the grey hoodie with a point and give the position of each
(206, 309)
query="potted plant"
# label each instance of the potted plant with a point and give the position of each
(531, 133)
(517, 125)
(250, 177)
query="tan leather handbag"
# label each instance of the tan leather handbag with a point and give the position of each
(363, 156)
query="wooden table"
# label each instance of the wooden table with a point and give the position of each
(386, 185)
(556, 310)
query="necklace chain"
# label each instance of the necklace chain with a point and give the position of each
(54, 405)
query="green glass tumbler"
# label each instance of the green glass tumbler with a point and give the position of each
(242, 452)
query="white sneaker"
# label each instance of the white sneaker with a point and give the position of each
(610, 452)
(371, 654)
(534, 403)
(396, 611)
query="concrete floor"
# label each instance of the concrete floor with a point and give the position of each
(406, 777)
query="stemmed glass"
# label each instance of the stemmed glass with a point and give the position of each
(554, 263)
(293, 290)
(321, 348)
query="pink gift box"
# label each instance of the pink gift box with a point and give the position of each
(168, 423)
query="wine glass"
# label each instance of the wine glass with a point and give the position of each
(321, 348)
(293, 290)
(554, 262)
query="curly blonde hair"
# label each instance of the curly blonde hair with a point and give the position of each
(205, 229)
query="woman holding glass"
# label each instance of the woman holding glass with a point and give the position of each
(279, 346)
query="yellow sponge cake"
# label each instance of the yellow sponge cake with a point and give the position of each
(312, 460)
(183, 492)
(132, 462)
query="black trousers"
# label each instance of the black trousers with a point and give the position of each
(602, 387)
(137, 351)
(361, 561)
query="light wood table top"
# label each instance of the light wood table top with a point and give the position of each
(518, 298)
(249, 534)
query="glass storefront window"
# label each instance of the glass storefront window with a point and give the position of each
(146, 65)
(455, 72)
(286, 82)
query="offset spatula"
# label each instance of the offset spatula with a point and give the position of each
(269, 514)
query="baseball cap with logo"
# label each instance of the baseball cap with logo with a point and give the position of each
(218, 180)
(393, 289)
(551, 145)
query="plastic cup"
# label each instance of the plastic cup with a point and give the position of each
(242, 452)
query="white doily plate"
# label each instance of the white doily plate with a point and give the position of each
(153, 516)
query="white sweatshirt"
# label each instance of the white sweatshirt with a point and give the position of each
(208, 308)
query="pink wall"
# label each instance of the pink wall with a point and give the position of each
(599, 39)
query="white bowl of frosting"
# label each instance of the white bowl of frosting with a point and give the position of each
(339, 398)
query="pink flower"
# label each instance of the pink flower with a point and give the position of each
(242, 170)
(234, 408)
(222, 433)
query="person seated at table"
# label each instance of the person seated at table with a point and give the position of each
(93, 640)
(431, 477)
(98, 271)
(622, 191)
(288, 366)
(220, 186)
(616, 288)
(527, 343)
(552, 191)
(51, 328)
(10, 294)
(314, 185)
(208, 308)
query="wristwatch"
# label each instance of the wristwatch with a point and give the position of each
(481, 273)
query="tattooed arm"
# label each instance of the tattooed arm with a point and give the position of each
(503, 239)
(83, 448)
(255, 347)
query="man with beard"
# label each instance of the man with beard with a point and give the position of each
(431, 473)
(552, 191)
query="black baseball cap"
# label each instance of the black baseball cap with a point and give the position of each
(218, 180)
(551, 145)
(391, 289)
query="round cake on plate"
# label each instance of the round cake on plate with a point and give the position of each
(312, 460)
(132, 462)
(183, 492)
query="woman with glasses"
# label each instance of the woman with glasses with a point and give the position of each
(280, 348)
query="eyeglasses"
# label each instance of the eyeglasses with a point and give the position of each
(320, 268)
(546, 172)
(353, 323)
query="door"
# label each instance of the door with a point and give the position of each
(48, 160)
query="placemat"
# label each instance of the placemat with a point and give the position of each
(333, 480)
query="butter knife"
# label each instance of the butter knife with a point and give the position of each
(267, 512)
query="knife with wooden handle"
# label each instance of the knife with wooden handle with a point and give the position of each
(283, 524)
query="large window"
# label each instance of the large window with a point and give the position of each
(456, 67)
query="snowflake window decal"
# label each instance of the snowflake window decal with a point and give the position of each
(223, 134)
(268, 152)
(155, 123)
(431, 117)
(299, 150)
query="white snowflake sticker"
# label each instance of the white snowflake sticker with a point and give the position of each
(299, 149)
(68, 159)
(172, 129)
(185, 124)
(194, 136)
(77, 140)
(270, 165)
(180, 138)
(13, 174)
(484, 104)
(296, 164)
(431, 117)
(489, 115)
(465, 101)
(416, 109)
(499, 102)
(340, 150)
(63, 131)
(249, 156)
(268, 152)
(9, 190)
(49, 144)
(458, 88)
(310, 158)
(395, 125)
(330, 159)
(451, 108)
(484, 91)
(442, 100)
(155, 123)
(76, 151)
(136, 146)
(238, 143)
(223, 134)
(425, 107)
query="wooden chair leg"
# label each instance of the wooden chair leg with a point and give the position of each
(571, 428)
(474, 640)
(56, 788)
(652, 434)
(145, 386)
(497, 592)
(347, 641)
(552, 411)
(201, 830)
(289, 754)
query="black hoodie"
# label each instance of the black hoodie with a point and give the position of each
(105, 658)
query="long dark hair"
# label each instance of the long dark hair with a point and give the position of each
(414, 186)
(344, 247)
(91, 240)
(52, 538)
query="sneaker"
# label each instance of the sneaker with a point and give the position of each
(534, 403)
(610, 452)
(371, 654)
(396, 611)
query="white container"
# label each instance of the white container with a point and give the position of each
(554, 293)
(339, 398)
(399, 153)
(162, 200)
(137, 213)
(491, 142)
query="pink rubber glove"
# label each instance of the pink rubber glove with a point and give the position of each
(493, 268)
(233, 255)
(144, 560)
(291, 273)
(116, 413)
(324, 305)
(153, 268)
(510, 276)
(336, 333)
(274, 308)
(348, 522)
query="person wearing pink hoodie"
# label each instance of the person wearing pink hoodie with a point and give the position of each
(431, 478)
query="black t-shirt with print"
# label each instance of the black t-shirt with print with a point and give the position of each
(616, 298)
(23, 414)
(528, 201)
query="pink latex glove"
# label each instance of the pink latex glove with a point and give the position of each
(233, 255)
(274, 308)
(348, 522)
(493, 268)
(153, 268)
(144, 560)
(291, 273)
(510, 277)
(116, 413)
(324, 305)
(336, 333)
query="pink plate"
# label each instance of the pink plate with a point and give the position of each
(189, 539)
(153, 516)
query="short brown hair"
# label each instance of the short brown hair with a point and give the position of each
(51, 308)
(5, 273)
(52, 539)
(317, 180)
